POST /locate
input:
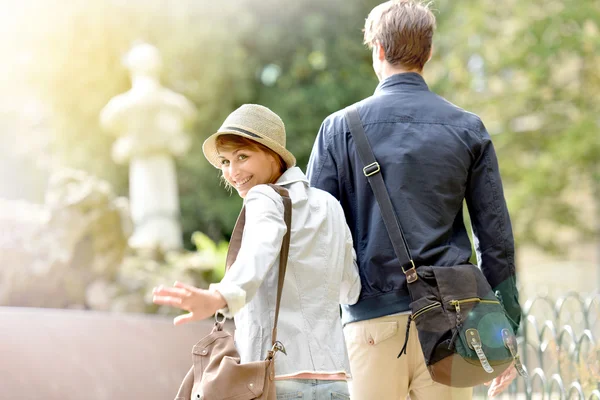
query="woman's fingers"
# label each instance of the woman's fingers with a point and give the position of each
(185, 286)
(199, 303)
(170, 291)
(174, 296)
(168, 301)
(183, 319)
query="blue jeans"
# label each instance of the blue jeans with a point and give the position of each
(312, 389)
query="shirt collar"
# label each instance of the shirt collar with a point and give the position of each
(292, 175)
(406, 78)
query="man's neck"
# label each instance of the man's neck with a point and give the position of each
(389, 70)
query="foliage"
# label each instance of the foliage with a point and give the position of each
(322, 62)
(139, 273)
(529, 69)
(210, 256)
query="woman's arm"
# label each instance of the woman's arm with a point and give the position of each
(261, 243)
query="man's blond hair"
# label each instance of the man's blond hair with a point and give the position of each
(404, 28)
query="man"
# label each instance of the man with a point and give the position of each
(433, 156)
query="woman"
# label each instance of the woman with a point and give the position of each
(249, 149)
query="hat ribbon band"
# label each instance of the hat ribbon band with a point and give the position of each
(245, 132)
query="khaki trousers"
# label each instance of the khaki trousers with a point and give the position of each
(377, 373)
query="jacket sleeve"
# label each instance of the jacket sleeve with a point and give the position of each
(322, 170)
(351, 286)
(492, 230)
(261, 244)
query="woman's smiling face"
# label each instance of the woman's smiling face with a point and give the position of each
(245, 167)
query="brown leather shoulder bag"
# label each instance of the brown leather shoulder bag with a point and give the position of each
(216, 373)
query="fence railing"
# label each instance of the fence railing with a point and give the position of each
(559, 343)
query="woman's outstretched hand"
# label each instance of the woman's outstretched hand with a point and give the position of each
(199, 303)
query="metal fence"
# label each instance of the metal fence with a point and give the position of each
(559, 343)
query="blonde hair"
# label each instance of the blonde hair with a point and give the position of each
(404, 29)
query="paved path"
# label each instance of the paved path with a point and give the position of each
(73, 355)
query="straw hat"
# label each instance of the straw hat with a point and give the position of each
(254, 122)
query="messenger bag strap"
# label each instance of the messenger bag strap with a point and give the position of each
(372, 170)
(236, 243)
(285, 250)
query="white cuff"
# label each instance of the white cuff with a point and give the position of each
(234, 295)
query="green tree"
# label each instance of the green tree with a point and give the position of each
(527, 68)
(530, 70)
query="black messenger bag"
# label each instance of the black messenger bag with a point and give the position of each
(463, 328)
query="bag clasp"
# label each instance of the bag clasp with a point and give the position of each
(411, 273)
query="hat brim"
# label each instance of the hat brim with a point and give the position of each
(209, 147)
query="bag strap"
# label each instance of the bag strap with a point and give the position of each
(372, 170)
(236, 243)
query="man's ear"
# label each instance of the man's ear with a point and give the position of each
(380, 52)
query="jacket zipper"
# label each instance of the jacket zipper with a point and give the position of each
(426, 308)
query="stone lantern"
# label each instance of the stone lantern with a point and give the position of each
(149, 122)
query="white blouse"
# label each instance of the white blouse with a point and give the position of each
(321, 274)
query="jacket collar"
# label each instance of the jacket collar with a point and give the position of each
(292, 175)
(412, 79)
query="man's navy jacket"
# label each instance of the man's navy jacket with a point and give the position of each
(433, 157)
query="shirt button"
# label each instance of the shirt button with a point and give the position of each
(204, 352)
(371, 341)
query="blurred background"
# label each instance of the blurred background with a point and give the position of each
(104, 105)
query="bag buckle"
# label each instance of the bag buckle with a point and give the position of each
(474, 342)
(510, 341)
(371, 169)
(219, 322)
(411, 273)
(278, 346)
